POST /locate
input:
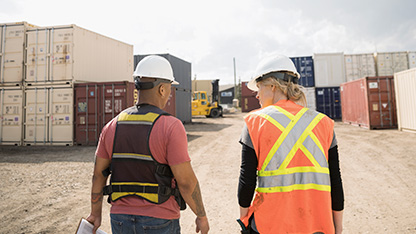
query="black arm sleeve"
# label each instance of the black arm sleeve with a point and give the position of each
(337, 192)
(248, 176)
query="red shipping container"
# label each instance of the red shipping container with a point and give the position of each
(369, 102)
(96, 104)
(246, 92)
(249, 103)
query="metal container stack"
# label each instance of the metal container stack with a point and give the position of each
(44, 64)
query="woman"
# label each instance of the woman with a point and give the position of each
(291, 151)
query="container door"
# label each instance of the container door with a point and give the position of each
(61, 116)
(61, 54)
(11, 53)
(249, 103)
(87, 112)
(113, 101)
(304, 66)
(37, 61)
(328, 101)
(382, 103)
(11, 116)
(368, 65)
(310, 98)
(37, 118)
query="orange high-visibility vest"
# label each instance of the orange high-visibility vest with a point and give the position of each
(293, 194)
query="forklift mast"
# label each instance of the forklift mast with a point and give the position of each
(215, 90)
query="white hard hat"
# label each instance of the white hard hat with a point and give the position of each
(274, 64)
(154, 66)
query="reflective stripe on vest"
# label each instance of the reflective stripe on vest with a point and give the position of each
(275, 176)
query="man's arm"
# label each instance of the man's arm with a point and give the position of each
(191, 193)
(98, 183)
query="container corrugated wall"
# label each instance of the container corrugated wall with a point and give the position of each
(11, 116)
(249, 103)
(96, 104)
(245, 91)
(12, 52)
(412, 59)
(369, 102)
(182, 73)
(49, 115)
(389, 63)
(405, 83)
(329, 69)
(65, 54)
(359, 65)
(328, 101)
(304, 66)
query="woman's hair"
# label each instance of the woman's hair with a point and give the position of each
(293, 92)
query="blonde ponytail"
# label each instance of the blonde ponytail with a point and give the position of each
(293, 92)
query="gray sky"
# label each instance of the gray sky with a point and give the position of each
(209, 34)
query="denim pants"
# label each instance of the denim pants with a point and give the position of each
(135, 224)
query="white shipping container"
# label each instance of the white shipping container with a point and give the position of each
(49, 116)
(65, 54)
(310, 98)
(412, 59)
(405, 86)
(329, 69)
(11, 116)
(359, 65)
(391, 62)
(12, 48)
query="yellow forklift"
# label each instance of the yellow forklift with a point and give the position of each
(201, 105)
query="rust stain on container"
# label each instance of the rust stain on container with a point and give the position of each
(369, 102)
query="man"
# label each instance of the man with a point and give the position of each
(145, 150)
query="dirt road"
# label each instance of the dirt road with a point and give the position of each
(46, 189)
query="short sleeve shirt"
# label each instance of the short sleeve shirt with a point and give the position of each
(168, 145)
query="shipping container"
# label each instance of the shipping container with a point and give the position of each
(245, 91)
(412, 59)
(304, 66)
(48, 115)
(203, 85)
(96, 104)
(329, 69)
(369, 102)
(405, 85)
(12, 52)
(249, 103)
(310, 98)
(181, 70)
(183, 105)
(11, 116)
(328, 101)
(391, 62)
(359, 65)
(69, 54)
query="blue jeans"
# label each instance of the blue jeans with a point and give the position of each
(135, 224)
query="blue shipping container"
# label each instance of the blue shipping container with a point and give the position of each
(328, 101)
(304, 65)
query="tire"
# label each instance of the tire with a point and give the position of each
(215, 113)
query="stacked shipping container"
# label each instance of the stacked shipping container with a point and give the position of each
(369, 102)
(12, 60)
(45, 63)
(405, 83)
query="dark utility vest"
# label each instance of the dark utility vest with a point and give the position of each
(134, 171)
